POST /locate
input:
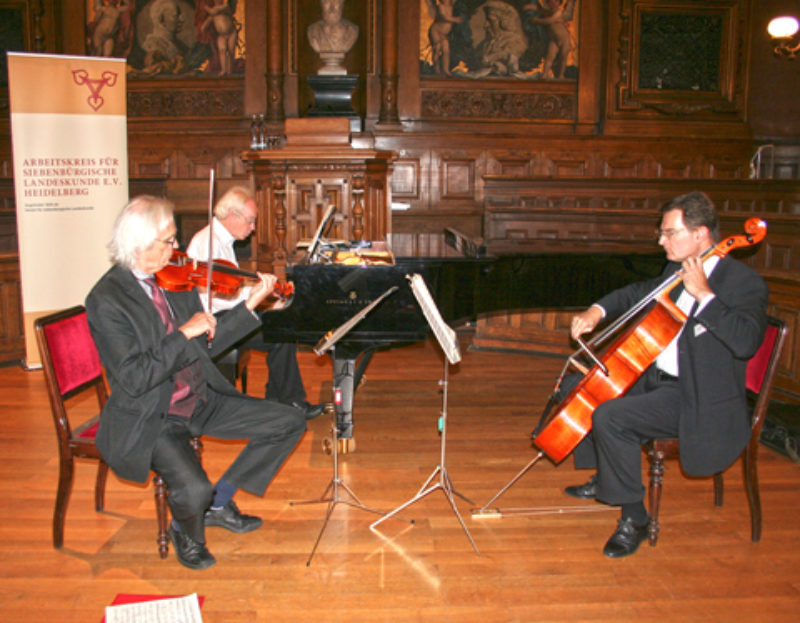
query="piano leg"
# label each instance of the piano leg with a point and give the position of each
(361, 367)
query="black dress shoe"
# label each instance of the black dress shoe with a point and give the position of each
(189, 552)
(626, 539)
(587, 491)
(309, 410)
(231, 518)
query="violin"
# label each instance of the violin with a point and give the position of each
(184, 273)
(626, 359)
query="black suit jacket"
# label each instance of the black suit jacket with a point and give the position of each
(713, 351)
(141, 359)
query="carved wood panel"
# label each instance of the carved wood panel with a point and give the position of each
(677, 59)
(295, 187)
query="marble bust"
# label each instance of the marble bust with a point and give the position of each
(332, 37)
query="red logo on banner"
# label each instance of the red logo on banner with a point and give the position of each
(108, 78)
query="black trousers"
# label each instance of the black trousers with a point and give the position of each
(650, 409)
(284, 383)
(272, 429)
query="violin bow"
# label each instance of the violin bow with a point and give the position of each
(210, 237)
(210, 242)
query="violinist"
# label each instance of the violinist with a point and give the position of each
(235, 217)
(165, 388)
(695, 390)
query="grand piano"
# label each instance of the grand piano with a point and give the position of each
(329, 293)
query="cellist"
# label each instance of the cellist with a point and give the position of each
(695, 390)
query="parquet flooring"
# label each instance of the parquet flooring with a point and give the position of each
(546, 567)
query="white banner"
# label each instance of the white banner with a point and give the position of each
(69, 141)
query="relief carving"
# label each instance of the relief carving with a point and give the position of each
(497, 105)
(185, 103)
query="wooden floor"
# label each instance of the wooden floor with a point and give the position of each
(531, 568)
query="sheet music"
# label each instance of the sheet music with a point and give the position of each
(175, 610)
(445, 335)
(313, 247)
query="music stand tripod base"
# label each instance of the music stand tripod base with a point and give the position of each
(444, 483)
(331, 494)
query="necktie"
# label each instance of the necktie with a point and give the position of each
(183, 399)
(160, 301)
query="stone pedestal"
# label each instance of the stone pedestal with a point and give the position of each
(333, 97)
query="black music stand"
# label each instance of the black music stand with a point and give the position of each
(447, 340)
(331, 494)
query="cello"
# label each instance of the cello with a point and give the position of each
(628, 357)
(643, 332)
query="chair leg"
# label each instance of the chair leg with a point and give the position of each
(719, 490)
(656, 478)
(160, 492)
(751, 486)
(66, 472)
(100, 487)
(241, 367)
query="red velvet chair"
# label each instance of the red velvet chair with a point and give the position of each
(71, 367)
(760, 377)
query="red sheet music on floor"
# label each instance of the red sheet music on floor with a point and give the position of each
(128, 598)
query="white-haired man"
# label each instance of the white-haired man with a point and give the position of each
(165, 388)
(235, 217)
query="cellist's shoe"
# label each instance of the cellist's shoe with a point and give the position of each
(586, 491)
(626, 539)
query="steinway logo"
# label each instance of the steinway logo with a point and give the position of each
(352, 299)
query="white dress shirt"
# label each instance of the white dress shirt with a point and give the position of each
(221, 249)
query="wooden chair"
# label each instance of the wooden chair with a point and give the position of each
(71, 367)
(760, 377)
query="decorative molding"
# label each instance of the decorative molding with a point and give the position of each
(406, 178)
(185, 103)
(37, 9)
(388, 112)
(725, 99)
(676, 109)
(496, 105)
(275, 99)
(458, 178)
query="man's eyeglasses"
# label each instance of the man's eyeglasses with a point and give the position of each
(249, 221)
(669, 234)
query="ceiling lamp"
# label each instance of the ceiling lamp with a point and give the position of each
(785, 40)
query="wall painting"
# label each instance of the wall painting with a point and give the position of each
(169, 38)
(499, 39)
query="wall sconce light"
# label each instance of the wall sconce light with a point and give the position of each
(784, 33)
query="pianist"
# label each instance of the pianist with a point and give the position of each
(165, 388)
(695, 390)
(235, 219)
